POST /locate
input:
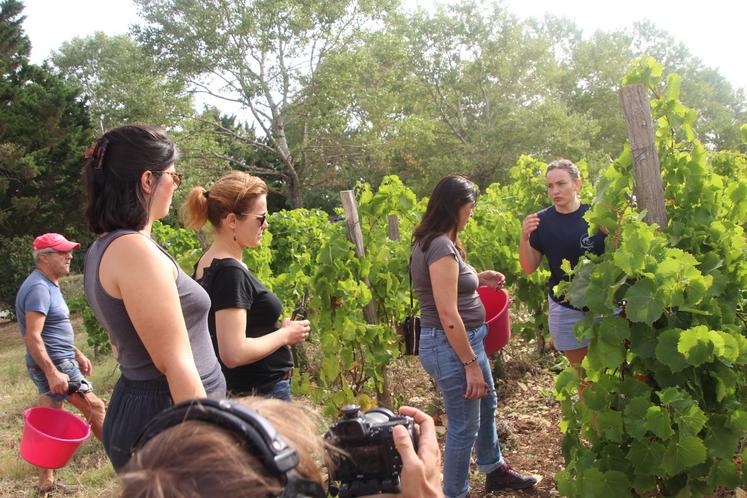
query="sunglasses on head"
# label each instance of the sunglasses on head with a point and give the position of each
(175, 177)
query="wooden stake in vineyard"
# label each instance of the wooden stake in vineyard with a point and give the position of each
(647, 185)
(355, 235)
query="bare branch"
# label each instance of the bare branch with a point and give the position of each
(206, 90)
(249, 168)
(236, 136)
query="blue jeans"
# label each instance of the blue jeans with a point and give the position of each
(280, 390)
(470, 421)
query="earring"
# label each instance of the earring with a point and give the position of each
(234, 233)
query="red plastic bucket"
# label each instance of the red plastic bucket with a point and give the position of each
(51, 436)
(497, 316)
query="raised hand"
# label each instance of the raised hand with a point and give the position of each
(530, 224)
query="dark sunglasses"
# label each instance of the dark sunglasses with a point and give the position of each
(260, 217)
(175, 177)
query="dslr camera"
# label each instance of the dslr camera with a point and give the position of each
(370, 463)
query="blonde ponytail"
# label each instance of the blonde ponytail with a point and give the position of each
(194, 211)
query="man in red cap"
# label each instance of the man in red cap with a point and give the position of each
(54, 364)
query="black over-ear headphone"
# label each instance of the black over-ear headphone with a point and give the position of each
(261, 438)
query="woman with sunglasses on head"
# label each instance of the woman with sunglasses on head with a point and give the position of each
(154, 314)
(254, 352)
(451, 339)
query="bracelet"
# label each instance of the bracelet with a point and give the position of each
(470, 361)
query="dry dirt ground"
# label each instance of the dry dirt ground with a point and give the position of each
(527, 416)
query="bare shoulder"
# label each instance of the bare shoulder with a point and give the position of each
(133, 257)
(135, 247)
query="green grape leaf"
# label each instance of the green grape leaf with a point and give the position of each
(595, 398)
(646, 456)
(643, 302)
(566, 483)
(610, 484)
(724, 473)
(577, 288)
(635, 417)
(567, 382)
(631, 255)
(610, 424)
(722, 441)
(728, 350)
(696, 345)
(738, 420)
(643, 483)
(666, 350)
(671, 395)
(690, 420)
(643, 340)
(607, 347)
(658, 422)
(634, 388)
(604, 281)
(681, 454)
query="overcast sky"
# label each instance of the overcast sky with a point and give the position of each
(714, 30)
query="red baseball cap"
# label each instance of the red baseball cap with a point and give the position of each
(54, 241)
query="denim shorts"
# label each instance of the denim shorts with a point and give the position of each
(561, 321)
(67, 366)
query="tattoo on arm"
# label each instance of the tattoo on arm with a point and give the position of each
(451, 326)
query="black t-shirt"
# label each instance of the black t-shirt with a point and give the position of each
(230, 285)
(564, 236)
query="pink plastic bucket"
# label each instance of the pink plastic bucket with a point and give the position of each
(497, 317)
(51, 436)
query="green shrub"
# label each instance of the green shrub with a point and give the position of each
(18, 264)
(97, 336)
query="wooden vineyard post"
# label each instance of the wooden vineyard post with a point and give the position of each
(647, 187)
(355, 235)
(393, 227)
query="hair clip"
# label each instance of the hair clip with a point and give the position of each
(90, 151)
(101, 146)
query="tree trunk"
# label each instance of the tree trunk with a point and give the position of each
(648, 188)
(291, 175)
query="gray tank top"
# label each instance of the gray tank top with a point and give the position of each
(134, 361)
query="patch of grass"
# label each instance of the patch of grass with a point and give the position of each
(89, 470)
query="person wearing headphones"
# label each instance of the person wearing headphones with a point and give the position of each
(257, 447)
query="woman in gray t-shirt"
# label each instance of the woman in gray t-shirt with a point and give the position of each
(451, 339)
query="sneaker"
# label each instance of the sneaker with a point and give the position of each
(504, 477)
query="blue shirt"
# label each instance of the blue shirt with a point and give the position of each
(562, 236)
(38, 293)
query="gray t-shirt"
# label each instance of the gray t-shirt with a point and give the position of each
(134, 360)
(38, 293)
(469, 304)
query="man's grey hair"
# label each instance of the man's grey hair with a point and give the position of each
(39, 252)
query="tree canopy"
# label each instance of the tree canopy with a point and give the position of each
(44, 129)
